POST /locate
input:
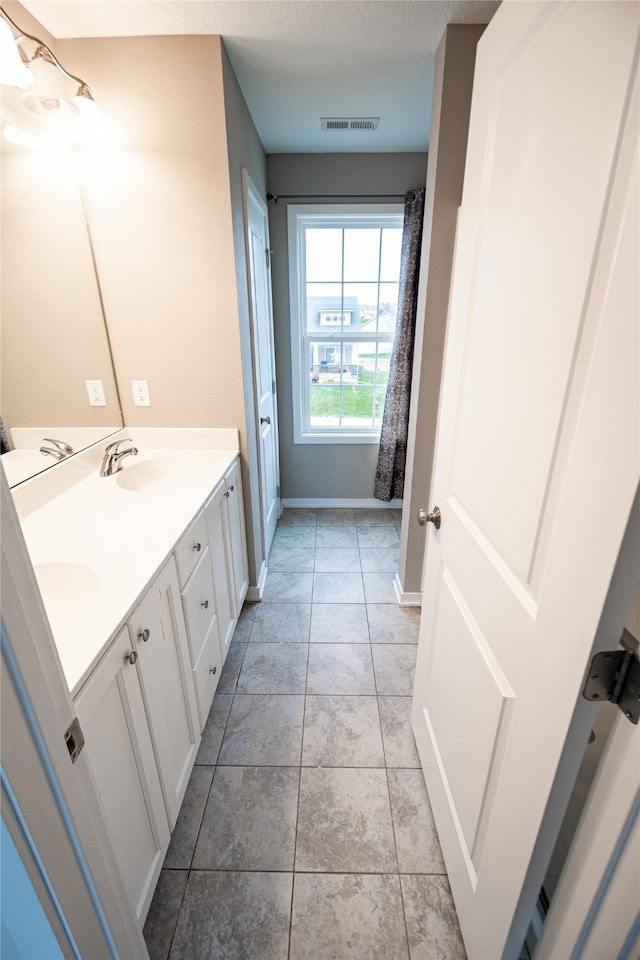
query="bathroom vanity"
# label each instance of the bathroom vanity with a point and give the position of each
(142, 575)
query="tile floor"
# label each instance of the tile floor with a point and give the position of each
(306, 831)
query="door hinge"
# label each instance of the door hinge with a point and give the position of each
(278, 492)
(273, 386)
(615, 675)
(74, 739)
(268, 256)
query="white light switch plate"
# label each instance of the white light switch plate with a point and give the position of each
(140, 390)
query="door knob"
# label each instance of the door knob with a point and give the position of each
(265, 420)
(435, 517)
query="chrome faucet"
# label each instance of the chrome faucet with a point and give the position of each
(59, 449)
(112, 457)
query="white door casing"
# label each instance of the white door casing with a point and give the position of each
(538, 432)
(264, 369)
(596, 907)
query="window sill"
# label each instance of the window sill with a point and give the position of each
(372, 439)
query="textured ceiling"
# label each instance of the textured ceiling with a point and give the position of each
(299, 60)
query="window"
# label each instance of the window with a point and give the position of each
(344, 266)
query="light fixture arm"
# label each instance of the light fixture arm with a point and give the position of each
(42, 48)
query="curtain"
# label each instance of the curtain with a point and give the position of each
(389, 481)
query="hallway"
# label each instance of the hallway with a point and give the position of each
(306, 832)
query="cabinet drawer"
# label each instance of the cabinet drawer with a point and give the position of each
(190, 548)
(198, 602)
(206, 671)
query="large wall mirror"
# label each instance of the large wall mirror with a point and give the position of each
(54, 336)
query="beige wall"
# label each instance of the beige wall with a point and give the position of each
(159, 212)
(453, 82)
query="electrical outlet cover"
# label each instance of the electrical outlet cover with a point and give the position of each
(140, 390)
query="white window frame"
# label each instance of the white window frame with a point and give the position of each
(300, 216)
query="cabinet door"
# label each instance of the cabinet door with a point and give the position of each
(158, 634)
(217, 520)
(236, 535)
(199, 605)
(206, 671)
(120, 754)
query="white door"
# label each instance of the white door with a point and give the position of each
(595, 909)
(537, 460)
(264, 368)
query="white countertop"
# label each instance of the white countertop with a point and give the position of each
(96, 545)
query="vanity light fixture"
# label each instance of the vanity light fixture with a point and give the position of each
(62, 102)
(13, 72)
(21, 138)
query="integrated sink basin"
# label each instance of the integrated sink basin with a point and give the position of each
(158, 472)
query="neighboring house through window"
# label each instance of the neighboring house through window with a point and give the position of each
(344, 266)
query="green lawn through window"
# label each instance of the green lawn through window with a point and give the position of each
(357, 401)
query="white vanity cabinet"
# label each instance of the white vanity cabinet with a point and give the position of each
(143, 682)
(158, 635)
(225, 520)
(200, 612)
(120, 753)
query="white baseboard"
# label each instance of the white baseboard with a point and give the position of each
(405, 599)
(254, 594)
(321, 503)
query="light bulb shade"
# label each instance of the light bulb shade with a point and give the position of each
(48, 97)
(21, 138)
(88, 126)
(13, 72)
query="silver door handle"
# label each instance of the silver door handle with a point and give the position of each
(435, 517)
(265, 420)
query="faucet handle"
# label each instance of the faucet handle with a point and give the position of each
(113, 447)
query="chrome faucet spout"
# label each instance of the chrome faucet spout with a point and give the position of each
(113, 455)
(58, 449)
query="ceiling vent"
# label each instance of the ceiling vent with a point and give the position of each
(349, 123)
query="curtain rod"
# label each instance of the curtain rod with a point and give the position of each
(336, 196)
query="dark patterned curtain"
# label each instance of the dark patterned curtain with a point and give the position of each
(389, 482)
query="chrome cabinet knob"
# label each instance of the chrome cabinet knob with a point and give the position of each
(213, 670)
(144, 635)
(197, 547)
(205, 604)
(435, 517)
(132, 657)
